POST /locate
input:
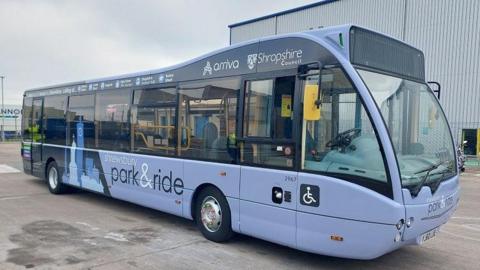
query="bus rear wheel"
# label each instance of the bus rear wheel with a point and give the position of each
(212, 215)
(55, 186)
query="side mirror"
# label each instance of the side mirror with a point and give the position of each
(437, 89)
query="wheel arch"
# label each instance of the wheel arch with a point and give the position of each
(49, 160)
(195, 196)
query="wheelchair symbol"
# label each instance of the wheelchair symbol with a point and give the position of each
(310, 195)
(308, 198)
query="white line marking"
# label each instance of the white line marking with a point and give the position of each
(116, 236)
(93, 228)
(91, 242)
(460, 236)
(12, 198)
(467, 218)
(473, 227)
(4, 168)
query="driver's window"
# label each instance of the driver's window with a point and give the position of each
(342, 143)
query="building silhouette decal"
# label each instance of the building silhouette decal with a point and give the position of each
(81, 171)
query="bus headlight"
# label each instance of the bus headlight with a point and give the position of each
(409, 222)
(399, 224)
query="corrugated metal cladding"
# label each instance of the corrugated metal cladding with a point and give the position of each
(259, 29)
(448, 32)
(388, 16)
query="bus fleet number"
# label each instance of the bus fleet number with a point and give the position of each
(289, 178)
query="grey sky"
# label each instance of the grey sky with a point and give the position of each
(50, 42)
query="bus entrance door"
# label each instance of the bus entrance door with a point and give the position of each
(37, 137)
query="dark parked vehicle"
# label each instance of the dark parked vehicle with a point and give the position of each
(461, 157)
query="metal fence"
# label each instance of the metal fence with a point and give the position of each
(12, 132)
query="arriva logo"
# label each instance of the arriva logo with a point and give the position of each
(208, 69)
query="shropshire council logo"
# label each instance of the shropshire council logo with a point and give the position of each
(252, 60)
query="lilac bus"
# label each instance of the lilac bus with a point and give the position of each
(328, 141)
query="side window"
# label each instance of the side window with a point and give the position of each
(342, 142)
(112, 120)
(27, 120)
(36, 128)
(258, 116)
(268, 124)
(80, 121)
(54, 124)
(208, 119)
(153, 121)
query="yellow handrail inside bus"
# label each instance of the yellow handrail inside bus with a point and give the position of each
(150, 146)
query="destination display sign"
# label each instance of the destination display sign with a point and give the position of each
(270, 55)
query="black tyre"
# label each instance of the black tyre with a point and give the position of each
(212, 215)
(53, 179)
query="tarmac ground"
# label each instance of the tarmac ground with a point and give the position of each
(82, 230)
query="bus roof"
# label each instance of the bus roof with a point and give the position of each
(262, 54)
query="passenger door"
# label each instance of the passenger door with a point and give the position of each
(27, 135)
(37, 136)
(267, 157)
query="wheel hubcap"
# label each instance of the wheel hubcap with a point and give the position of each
(52, 177)
(211, 214)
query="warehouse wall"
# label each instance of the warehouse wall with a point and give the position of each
(250, 31)
(448, 32)
(389, 18)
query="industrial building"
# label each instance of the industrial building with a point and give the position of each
(448, 32)
(10, 117)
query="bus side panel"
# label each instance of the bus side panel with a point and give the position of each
(27, 157)
(271, 223)
(37, 168)
(339, 218)
(262, 213)
(225, 177)
(359, 240)
(149, 181)
(342, 199)
(235, 212)
(56, 153)
(83, 169)
(155, 182)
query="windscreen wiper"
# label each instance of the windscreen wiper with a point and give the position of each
(419, 186)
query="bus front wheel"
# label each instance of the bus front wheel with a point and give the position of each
(55, 186)
(212, 215)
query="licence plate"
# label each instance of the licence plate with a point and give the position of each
(429, 235)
